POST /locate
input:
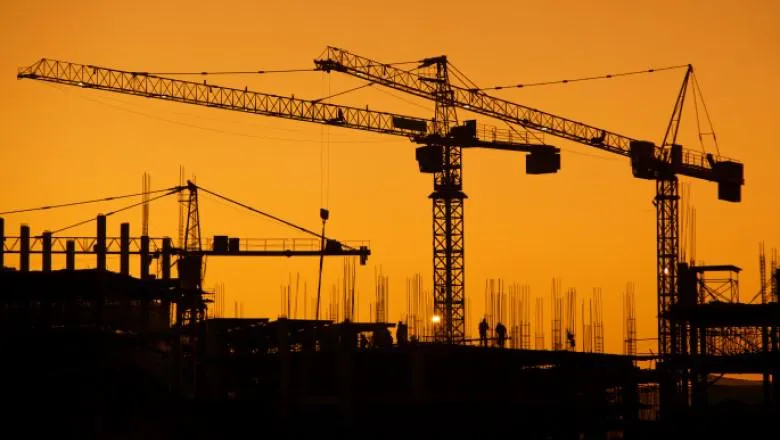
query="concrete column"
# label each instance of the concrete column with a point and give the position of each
(46, 255)
(2, 242)
(166, 259)
(70, 255)
(145, 261)
(24, 248)
(100, 246)
(124, 248)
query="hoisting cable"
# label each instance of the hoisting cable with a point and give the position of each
(254, 72)
(344, 92)
(587, 78)
(271, 216)
(61, 89)
(472, 85)
(698, 91)
(698, 119)
(91, 219)
(232, 72)
(389, 93)
(84, 202)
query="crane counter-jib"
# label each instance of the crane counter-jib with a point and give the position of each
(244, 100)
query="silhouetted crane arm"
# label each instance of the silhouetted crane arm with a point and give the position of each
(152, 86)
(415, 82)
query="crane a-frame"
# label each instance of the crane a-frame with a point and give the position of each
(442, 140)
(660, 163)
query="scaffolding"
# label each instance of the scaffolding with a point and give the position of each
(419, 309)
(380, 308)
(629, 321)
(571, 319)
(556, 310)
(495, 305)
(598, 322)
(539, 325)
(721, 335)
(519, 319)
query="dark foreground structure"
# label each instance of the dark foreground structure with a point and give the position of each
(94, 354)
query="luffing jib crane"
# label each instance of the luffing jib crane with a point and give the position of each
(661, 163)
(441, 139)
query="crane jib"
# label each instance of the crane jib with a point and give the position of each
(648, 161)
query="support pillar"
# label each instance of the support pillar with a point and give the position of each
(24, 248)
(100, 246)
(2, 243)
(166, 259)
(145, 260)
(70, 255)
(46, 255)
(124, 249)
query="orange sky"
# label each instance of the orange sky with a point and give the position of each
(591, 224)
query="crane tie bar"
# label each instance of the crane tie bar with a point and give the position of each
(587, 78)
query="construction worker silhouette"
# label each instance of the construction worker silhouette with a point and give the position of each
(501, 334)
(483, 329)
(401, 333)
(570, 339)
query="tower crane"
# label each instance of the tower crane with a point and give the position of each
(662, 163)
(440, 153)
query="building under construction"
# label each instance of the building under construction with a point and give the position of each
(112, 348)
(138, 356)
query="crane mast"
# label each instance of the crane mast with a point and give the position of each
(448, 238)
(442, 140)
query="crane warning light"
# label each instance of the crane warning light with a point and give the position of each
(436, 319)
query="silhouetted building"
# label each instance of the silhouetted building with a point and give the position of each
(83, 299)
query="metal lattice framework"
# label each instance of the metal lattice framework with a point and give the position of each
(667, 251)
(662, 164)
(448, 238)
(448, 242)
(693, 163)
(188, 92)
